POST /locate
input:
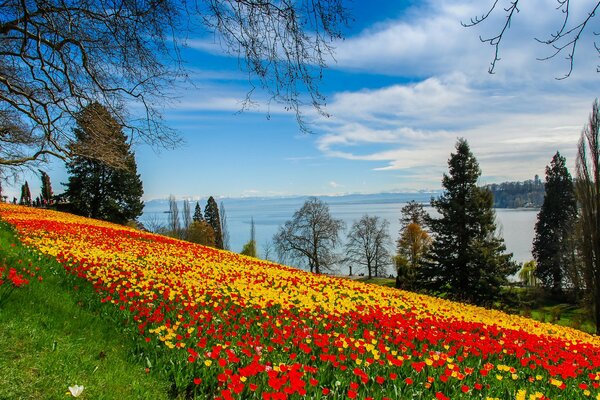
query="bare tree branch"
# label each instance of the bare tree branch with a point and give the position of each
(58, 56)
(564, 40)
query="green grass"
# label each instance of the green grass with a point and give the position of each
(50, 339)
(389, 282)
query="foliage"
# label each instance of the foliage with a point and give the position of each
(202, 233)
(367, 245)
(588, 196)
(527, 274)
(211, 215)
(219, 325)
(413, 213)
(554, 227)
(467, 259)
(411, 247)
(46, 189)
(198, 217)
(96, 189)
(310, 236)
(249, 249)
(529, 193)
(121, 52)
(25, 195)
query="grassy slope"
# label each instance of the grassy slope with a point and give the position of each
(51, 339)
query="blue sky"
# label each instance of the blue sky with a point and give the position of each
(406, 82)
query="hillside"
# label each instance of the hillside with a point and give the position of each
(220, 325)
(529, 194)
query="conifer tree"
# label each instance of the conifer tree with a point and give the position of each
(25, 195)
(467, 260)
(95, 189)
(211, 215)
(554, 226)
(46, 191)
(198, 217)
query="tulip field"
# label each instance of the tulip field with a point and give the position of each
(223, 326)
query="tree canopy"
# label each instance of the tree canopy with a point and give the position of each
(554, 226)
(211, 215)
(60, 56)
(96, 189)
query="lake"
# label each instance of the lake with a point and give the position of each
(515, 225)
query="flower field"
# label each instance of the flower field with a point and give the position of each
(225, 326)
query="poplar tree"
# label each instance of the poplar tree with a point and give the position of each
(25, 195)
(554, 226)
(467, 260)
(211, 215)
(46, 191)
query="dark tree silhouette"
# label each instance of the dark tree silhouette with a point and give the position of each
(96, 189)
(467, 259)
(554, 226)
(588, 195)
(211, 215)
(46, 190)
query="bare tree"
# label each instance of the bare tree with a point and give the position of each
(268, 250)
(153, 223)
(562, 41)
(224, 229)
(588, 195)
(173, 222)
(310, 236)
(58, 56)
(367, 245)
(186, 216)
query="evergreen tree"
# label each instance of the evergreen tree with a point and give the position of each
(25, 195)
(46, 191)
(198, 217)
(467, 260)
(211, 215)
(95, 189)
(413, 213)
(554, 226)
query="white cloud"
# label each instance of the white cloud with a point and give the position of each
(413, 128)
(430, 40)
